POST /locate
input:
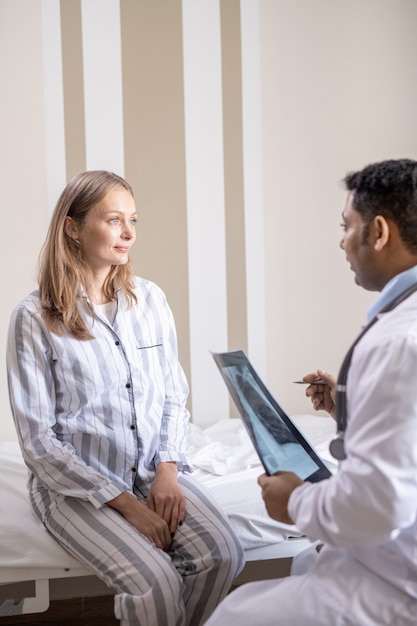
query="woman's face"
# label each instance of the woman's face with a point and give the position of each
(109, 231)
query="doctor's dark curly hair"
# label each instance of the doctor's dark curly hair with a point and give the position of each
(388, 188)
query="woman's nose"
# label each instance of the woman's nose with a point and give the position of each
(128, 231)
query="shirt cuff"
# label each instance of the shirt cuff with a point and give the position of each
(294, 502)
(99, 497)
(181, 459)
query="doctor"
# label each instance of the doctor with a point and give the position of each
(364, 519)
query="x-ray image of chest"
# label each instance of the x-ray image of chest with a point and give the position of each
(255, 402)
(276, 444)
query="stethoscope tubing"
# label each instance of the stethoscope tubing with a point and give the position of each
(337, 445)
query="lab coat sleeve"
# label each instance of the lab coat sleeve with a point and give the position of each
(373, 495)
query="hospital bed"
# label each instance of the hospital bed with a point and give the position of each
(34, 569)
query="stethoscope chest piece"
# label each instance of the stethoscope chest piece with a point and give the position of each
(337, 448)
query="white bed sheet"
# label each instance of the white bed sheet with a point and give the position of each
(24, 542)
(224, 460)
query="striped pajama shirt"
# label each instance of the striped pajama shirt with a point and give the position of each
(93, 419)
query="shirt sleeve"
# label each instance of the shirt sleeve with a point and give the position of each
(373, 496)
(33, 402)
(175, 418)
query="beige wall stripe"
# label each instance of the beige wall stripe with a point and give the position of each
(72, 62)
(233, 177)
(154, 142)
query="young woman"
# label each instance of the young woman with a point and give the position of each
(98, 398)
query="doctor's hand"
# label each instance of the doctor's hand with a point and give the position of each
(276, 491)
(322, 396)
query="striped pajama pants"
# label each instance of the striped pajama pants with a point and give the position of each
(153, 588)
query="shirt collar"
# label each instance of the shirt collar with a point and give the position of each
(393, 288)
(81, 293)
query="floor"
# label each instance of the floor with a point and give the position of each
(80, 612)
(98, 609)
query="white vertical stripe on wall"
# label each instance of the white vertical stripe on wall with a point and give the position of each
(205, 206)
(53, 100)
(252, 183)
(103, 99)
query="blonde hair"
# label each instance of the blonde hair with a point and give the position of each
(62, 270)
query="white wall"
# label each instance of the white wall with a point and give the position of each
(338, 92)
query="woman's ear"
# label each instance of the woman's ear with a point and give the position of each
(70, 227)
(381, 232)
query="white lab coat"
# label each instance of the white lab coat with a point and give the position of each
(366, 515)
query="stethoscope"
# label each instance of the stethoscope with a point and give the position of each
(337, 446)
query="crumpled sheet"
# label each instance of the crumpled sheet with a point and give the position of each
(225, 447)
(226, 462)
(221, 449)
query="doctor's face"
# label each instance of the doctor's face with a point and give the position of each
(355, 243)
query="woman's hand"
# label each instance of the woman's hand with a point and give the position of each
(322, 396)
(147, 522)
(166, 497)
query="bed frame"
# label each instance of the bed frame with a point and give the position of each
(32, 590)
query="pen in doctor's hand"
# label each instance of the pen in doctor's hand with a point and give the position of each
(311, 382)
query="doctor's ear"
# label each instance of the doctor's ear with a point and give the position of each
(381, 232)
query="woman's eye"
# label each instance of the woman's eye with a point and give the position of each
(114, 220)
(343, 227)
(134, 221)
